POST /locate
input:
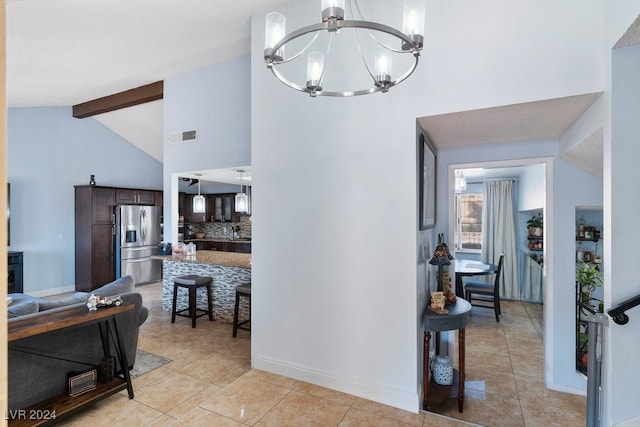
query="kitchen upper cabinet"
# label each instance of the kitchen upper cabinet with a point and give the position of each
(128, 196)
(187, 209)
(224, 207)
(159, 196)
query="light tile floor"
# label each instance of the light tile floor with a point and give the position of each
(210, 382)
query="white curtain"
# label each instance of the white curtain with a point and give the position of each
(499, 234)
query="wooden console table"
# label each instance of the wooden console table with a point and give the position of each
(50, 410)
(457, 318)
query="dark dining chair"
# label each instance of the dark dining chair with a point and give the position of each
(486, 293)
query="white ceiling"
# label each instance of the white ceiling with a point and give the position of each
(65, 52)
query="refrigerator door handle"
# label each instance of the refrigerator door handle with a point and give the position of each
(143, 230)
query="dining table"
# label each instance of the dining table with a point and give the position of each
(468, 267)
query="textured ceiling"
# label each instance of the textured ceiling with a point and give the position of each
(588, 154)
(65, 52)
(539, 119)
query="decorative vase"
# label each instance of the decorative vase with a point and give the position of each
(443, 371)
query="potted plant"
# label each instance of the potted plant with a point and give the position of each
(534, 225)
(589, 278)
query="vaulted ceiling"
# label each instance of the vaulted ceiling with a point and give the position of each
(65, 52)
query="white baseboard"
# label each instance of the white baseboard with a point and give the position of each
(52, 291)
(378, 393)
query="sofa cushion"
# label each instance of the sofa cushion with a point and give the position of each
(119, 286)
(48, 304)
(27, 307)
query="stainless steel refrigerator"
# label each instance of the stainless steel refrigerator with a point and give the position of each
(138, 236)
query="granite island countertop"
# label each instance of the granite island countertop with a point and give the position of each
(218, 239)
(226, 259)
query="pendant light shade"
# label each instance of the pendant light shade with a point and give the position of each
(199, 205)
(242, 200)
(460, 182)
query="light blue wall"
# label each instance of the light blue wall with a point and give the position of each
(621, 235)
(215, 101)
(48, 152)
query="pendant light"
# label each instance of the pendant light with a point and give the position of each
(198, 202)
(460, 182)
(242, 200)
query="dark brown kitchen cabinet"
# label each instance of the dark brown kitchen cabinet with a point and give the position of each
(129, 196)
(95, 230)
(159, 197)
(223, 207)
(243, 247)
(94, 234)
(191, 216)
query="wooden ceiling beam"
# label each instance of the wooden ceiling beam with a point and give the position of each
(128, 98)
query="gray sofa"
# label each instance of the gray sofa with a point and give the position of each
(39, 365)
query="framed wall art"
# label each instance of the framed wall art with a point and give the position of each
(427, 182)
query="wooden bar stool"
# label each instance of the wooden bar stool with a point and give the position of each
(192, 282)
(243, 290)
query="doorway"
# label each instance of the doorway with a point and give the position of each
(530, 179)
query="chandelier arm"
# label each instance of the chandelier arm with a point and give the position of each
(368, 91)
(357, 8)
(343, 24)
(329, 43)
(389, 48)
(364, 61)
(303, 50)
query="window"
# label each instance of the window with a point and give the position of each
(468, 210)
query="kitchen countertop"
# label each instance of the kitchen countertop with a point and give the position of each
(217, 239)
(226, 259)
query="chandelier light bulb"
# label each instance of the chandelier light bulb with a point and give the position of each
(413, 20)
(383, 67)
(332, 9)
(315, 68)
(273, 33)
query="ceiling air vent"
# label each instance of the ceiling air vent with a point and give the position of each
(180, 137)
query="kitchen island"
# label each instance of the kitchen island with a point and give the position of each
(228, 270)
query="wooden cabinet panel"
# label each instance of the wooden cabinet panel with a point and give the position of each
(103, 260)
(94, 234)
(243, 247)
(102, 203)
(146, 197)
(159, 196)
(128, 196)
(223, 207)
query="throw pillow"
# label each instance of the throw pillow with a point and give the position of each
(28, 307)
(117, 287)
(47, 304)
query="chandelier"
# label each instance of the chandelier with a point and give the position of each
(380, 72)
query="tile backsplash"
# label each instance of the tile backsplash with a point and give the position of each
(221, 230)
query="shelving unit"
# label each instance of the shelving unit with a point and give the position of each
(587, 238)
